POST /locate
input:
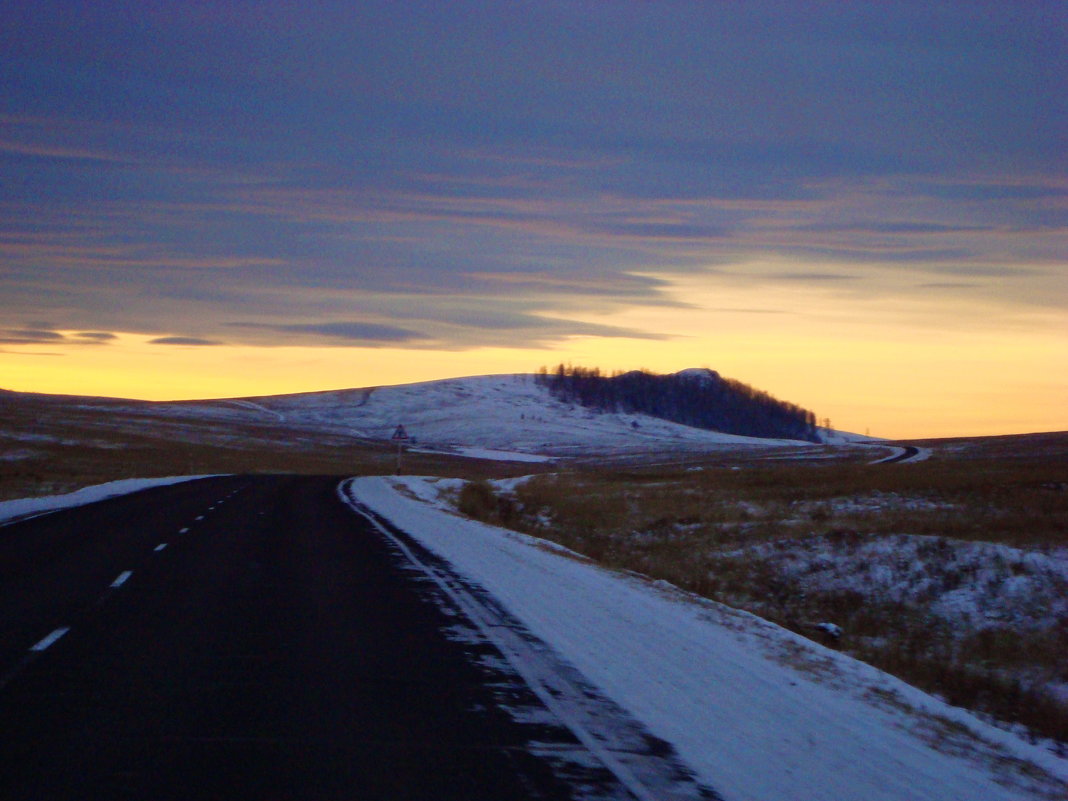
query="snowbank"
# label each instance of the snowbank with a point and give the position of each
(22, 507)
(759, 713)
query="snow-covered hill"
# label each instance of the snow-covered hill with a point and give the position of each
(503, 413)
(501, 417)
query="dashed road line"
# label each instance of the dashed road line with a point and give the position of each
(122, 577)
(50, 639)
(183, 531)
(160, 547)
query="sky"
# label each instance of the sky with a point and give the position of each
(858, 207)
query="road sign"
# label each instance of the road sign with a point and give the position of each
(400, 436)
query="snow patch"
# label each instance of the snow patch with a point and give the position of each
(733, 693)
(507, 417)
(24, 507)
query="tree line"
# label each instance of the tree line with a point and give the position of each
(698, 398)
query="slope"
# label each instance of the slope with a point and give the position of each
(503, 412)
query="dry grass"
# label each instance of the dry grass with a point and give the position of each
(722, 527)
(50, 445)
(793, 544)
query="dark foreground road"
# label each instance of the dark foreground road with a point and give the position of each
(249, 637)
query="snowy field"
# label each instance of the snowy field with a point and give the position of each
(759, 713)
(503, 413)
(976, 584)
(503, 418)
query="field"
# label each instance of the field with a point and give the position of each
(951, 573)
(52, 444)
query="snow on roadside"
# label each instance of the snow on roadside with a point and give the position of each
(487, 453)
(760, 713)
(503, 456)
(23, 507)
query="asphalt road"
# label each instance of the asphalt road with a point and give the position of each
(908, 452)
(250, 637)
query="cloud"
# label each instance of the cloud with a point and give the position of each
(29, 336)
(733, 310)
(1036, 189)
(983, 270)
(377, 177)
(665, 231)
(645, 289)
(347, 332)
(901, 253)
(43, 334)
(196, 341)
(814, 277)
(903, 227)
(39, 150)
(28, 352)
(446, 328)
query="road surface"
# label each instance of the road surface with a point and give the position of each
(904, 453)
(253, 637)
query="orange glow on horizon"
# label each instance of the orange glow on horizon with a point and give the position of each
(861, 365)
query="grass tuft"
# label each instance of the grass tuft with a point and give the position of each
(951, 574)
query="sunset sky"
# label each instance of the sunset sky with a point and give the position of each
(859, 207)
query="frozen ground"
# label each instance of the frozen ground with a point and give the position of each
(760, 713)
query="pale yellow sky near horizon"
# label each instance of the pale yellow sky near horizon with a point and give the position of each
(923, 371)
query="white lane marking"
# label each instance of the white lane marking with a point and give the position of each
(125, 574)
(199, 517)
(183, 531)
(51, 638)
(160, 547)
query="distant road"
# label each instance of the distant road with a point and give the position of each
(251, 637)
(908, 452)
(905, 453)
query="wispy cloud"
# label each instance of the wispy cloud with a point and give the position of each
(338, 178)
(33, 336)
(29, 352)
(191, 341)
(59, 152)
(348, 332)
(809, 277)
(29, 336)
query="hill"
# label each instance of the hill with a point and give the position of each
(51, 443)
(697, 397)
(515, 414)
